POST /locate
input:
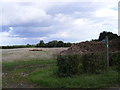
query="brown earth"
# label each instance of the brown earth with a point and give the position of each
(91, 47)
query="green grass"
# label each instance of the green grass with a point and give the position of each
(25, 64)
(40, 73)
(47, 79)
(14, 70)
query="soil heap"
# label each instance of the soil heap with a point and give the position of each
(91, 47)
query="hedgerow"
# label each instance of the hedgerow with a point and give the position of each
(69, 65)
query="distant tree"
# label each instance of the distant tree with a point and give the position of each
(67, 44)
(60, 44)
(28, 45)
(41, 44)
(94, 40)
(37, 45)
(52, 43)
(109, 34)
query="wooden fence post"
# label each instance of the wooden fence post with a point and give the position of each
(107, 52)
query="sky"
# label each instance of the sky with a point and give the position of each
(29, 21)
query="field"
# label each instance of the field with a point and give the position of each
(15, 61)
(25, 54)
(35, 69)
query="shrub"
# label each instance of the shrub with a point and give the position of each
(115, 61)
(69, 65)
(93, 63)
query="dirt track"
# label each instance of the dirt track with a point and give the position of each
(25, 54)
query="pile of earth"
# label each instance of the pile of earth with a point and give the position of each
(91, 47)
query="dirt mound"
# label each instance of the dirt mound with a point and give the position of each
(90, 47)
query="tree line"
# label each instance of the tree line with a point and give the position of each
(56, 43)
(53, 43)
(50, 44)
(103, 34)
(17, 46)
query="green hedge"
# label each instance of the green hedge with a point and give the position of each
(115, 61)
(69, 65)
(93, 63)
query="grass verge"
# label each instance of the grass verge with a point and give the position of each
(47, 79)
(15, 73)
(40, 74)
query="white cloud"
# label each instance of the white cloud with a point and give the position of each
(107, 13)
(16, 14)
(79, 22)
(83, 22)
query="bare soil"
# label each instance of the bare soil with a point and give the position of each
(91, 47)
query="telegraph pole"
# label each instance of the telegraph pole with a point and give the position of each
(107, 52)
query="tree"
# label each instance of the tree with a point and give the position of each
(52, 43)
(60, 44)
(41, 44)
(67, 44)
(28, 45)
(109, 34)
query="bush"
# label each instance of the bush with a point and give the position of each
(115, 61)
(69, 65)
(93, 63)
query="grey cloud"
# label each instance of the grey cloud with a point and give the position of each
(31, 21)
(72, 7)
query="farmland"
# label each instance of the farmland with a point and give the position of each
(60, 44)
(23, 61)
(24, 68)
(25, 54)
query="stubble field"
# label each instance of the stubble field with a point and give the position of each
(9, 55)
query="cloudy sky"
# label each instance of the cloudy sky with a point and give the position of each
(30, 21)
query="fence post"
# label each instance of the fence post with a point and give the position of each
(107, 52)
